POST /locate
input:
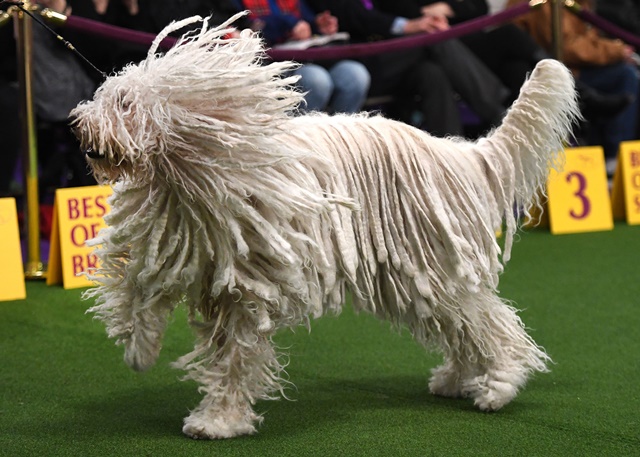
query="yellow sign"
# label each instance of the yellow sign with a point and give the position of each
(77, 217)
(579, 196)
(11, 268)
(625, 195)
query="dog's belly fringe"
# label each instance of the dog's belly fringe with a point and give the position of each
(423, 236)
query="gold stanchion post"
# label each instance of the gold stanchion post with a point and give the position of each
(556, 28)
(34, 267)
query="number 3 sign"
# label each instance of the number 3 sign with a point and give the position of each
(579, 196)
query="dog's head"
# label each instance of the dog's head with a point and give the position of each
(192, 105)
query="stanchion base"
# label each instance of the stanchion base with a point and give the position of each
(35, 270)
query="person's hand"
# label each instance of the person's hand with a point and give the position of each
(301, 31)
(327, 24)
(102, 5)
(437, 9)
(59, 6)
(628, 53)
(131, 6)
(439, 23)
(426, 24)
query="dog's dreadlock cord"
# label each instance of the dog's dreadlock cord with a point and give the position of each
(66, 43)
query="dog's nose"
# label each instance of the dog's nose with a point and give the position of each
(93, 154)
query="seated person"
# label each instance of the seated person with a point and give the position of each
(448, 67)
(598, 62)
(338, 87)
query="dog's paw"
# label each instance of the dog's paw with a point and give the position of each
(489, 394)
(199, 427)
(445, 382)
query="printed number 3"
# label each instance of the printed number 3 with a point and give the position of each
(582, 185)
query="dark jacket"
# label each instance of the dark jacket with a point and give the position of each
(362, 24)
(624, 13)
(463, 9)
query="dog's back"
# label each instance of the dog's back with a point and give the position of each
(430, 207)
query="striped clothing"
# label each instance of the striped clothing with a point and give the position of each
(276, 18)
(261, 8)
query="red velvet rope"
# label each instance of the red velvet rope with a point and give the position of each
(321, 53)
(112, 32)
(397, 44)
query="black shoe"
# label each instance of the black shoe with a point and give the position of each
(597, 105)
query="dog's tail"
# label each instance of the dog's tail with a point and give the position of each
(519, 154)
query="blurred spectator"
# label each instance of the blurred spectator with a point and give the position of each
(337, 87)
(60, 81)
(624, 13)
(106, 55)
(462, 71)
(155, 15)
(9, 135)
(601, 63)
(9, 121)
(495, 6)
(506, 50)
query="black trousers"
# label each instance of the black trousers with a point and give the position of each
(9, 134)
(418, 85)
(509, 52)
(476, 84)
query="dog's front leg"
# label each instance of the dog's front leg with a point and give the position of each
(134, 319)
(148, 324)
(236, 364)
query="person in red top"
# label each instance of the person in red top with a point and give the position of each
(341, 86)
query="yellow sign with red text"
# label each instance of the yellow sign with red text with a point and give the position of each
(78, 216)
(625, 195)
(579, 196)
(12, 285)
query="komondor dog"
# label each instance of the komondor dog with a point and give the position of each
(257, 219)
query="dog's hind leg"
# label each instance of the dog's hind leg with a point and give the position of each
(446, 380)
(236, 364)
(489, 356)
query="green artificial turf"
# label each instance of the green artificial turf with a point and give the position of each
(361, 388)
